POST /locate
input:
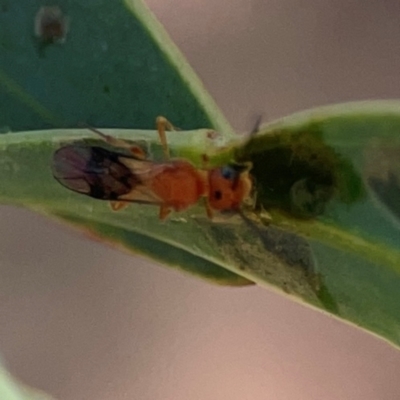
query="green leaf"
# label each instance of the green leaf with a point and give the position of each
(325, 227)
(331, 176)
(338, 249)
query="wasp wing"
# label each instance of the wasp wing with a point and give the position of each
(102, 174)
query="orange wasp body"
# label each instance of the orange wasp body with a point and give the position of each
(124, 177)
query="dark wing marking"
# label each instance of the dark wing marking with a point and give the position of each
(93, 171)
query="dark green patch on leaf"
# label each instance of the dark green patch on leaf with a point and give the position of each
(296, 172)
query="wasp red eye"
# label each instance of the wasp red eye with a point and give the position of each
(218, 195)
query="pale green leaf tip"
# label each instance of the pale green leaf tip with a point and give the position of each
(11, 389)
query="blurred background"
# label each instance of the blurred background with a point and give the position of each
(98, 324)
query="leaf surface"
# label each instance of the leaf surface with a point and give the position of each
(325, 228)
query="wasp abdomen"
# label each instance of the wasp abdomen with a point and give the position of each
(93, 171)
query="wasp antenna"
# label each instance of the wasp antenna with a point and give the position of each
(94, 130)
(256, 127)
(242, 167)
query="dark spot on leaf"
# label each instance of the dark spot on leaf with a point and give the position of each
(282, 258)
(106, 89)
(291, 248)
(50, 27)
(295, 171)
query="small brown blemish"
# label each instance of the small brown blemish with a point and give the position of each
(212, 135)
(51, 25)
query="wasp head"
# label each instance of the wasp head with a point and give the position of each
(229, 186)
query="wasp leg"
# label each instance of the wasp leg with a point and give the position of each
(164, 125)
(204, 164)
(209, 211)
(164, 212)
(118, 205)
(256, 127)
(205, 161)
